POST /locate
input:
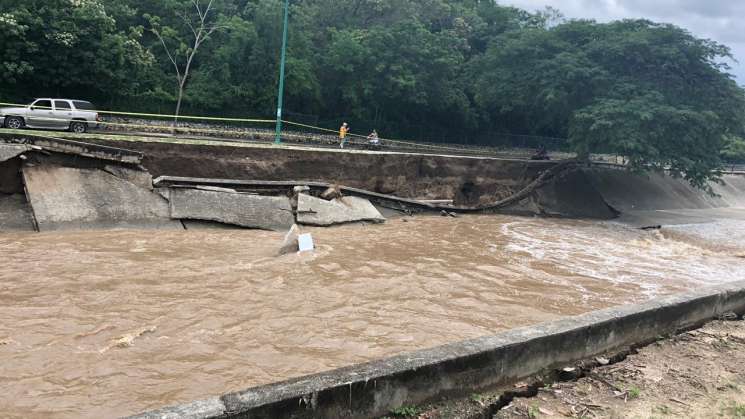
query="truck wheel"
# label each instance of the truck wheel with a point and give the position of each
(14, 122)
(78, 127)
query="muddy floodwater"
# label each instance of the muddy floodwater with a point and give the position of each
(102, 324)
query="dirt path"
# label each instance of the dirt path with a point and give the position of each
(697, 374)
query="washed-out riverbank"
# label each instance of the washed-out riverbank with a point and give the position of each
(114, 323)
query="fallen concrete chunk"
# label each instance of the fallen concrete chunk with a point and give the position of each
(250, 211)
(318, 212)
(332, 192)
(290, 243)
(65, 198)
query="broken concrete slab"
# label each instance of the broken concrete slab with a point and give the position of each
(164, 192)
(290, 242)
(11, 151)
(95, 151)
(250, 211)
(350, 209)
(140, 178)
(65, 198)
(15, 213)
(207, 225)
(216, 189)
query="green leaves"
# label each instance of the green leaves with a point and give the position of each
(455, 70)
(650, 92)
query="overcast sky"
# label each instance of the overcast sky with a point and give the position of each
(720, 20)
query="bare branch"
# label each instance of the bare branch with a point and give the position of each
(188, 22)
(168, 52)
(207, 11)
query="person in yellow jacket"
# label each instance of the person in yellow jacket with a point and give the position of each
(343, 134)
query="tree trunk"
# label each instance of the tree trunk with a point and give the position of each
(178, 102)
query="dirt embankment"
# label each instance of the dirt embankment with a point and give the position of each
(468, 180)
(697, 374)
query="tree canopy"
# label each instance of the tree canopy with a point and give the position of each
(439, 70)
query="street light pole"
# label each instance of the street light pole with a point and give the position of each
(281, 93)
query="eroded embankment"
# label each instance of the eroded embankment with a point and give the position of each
(469, 181)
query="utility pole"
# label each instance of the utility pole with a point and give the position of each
(281, 93)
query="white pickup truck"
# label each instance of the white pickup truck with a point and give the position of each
(59, 114)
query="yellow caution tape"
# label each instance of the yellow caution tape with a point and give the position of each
(411, 144)
(155, 115)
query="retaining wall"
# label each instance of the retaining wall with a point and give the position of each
(373, 389)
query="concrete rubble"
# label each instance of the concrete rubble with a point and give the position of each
(290, 242)
(64, 198)
(10, 151)
(318, 212)
(243, 210)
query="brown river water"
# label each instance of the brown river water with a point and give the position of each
(104, 324)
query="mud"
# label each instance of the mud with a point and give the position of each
(101, 324)
(468, 180)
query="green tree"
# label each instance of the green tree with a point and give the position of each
(198, 21)
(449, 70)
(734, 149)
(648, 91)
(51, 46)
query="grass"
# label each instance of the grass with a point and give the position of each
(533, 412)
(733, 410)
(406, 412)
(737, 410)
(634, 393)
(478, 398)
(665, 410)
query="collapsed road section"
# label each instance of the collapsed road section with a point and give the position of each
(55, 184)
(51, 184)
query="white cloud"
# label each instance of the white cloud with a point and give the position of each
(719, 20)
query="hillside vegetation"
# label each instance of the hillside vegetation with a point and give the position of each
(441, 70)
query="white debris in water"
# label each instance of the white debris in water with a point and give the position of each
(305, 243)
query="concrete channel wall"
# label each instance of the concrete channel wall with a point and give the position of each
(373, 389)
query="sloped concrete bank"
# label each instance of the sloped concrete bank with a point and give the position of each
(657, 199)
(374, 389)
